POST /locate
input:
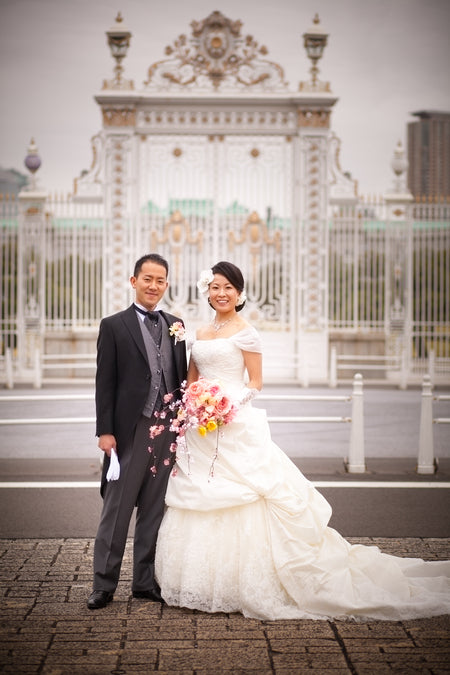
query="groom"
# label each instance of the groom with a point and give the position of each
(138, 362)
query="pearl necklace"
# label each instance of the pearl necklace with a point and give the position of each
(217, 326)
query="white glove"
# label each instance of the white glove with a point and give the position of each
(114, 467)
(247, 395)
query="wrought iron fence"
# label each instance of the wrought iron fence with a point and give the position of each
(393, 277)
(386, 276)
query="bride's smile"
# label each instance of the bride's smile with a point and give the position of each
(223, 295)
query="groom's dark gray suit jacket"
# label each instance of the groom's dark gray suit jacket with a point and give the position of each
(123, 376)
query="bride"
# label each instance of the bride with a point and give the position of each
(254, 536)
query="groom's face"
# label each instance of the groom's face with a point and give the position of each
(150, 284)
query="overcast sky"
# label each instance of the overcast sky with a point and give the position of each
(384, 60)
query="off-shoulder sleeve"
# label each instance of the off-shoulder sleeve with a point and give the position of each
(248, 340)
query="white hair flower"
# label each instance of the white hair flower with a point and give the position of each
(206, 276)
(241, 299)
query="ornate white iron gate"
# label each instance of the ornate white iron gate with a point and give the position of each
(214, 158)
(209, 198)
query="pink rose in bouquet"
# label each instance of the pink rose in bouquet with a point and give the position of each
(205, 407)
(197, 388)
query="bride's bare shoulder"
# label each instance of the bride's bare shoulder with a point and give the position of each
(242, 325)
(203, 332)
(245, 324)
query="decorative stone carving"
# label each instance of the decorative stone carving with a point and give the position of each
(119, 117)
(216, 56)
(342, 187)
(314, 118)
(156, 119)
(177, 233)
(255, 234)
(89, 185)
(313, 236)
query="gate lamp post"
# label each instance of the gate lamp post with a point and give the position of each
(314, 41)
(118, 42)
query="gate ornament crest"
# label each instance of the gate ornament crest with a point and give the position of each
(216, 56)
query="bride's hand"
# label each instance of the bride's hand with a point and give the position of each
(247, 395)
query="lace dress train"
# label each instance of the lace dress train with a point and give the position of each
(255, 538)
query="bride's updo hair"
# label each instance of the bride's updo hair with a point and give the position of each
(234, 276)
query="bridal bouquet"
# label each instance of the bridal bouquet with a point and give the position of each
(203, 406)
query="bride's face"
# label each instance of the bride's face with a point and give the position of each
(222, 294)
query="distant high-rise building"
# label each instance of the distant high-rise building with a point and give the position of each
(429, 154)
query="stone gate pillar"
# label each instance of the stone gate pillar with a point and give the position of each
(30, 274)
(118, 189)
(118, 107)
(399, 257)
(314, 105)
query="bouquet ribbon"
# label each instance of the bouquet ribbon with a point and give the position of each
(114, 467)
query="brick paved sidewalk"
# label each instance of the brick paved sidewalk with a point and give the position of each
(47, 628)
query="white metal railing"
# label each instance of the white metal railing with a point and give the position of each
(355, 462)
(46, 420)
(67, 363)
(365, 362)
(426, 461)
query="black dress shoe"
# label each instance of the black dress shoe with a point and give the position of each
(99, 599)
(154, 595)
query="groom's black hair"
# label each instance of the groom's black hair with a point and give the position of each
(150, 257)
(233, 274)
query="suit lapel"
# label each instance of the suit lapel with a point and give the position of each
(176, 352)
(132, 323)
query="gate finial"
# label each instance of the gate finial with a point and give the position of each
(32, 162)
(118, 41)
(315, 41)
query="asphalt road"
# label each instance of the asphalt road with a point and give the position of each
(68, 452)
(373, 509)
(48, 513)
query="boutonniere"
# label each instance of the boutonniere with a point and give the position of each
(177, 331)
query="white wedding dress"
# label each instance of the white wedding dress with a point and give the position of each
(255, 539)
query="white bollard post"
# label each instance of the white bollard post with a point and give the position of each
(356, 460)
(304, 379)
(425, 461)
(431, 366)
(37, 369)
(9, 369)
(403, 370)
(333, 368)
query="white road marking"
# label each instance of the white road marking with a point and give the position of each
(20, 485)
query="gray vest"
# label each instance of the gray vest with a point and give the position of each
(162, 368)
